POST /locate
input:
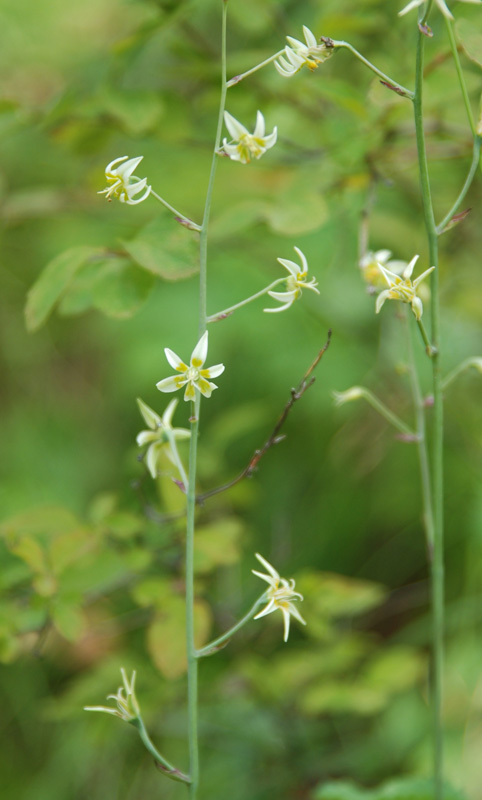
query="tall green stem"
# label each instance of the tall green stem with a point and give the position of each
(460, 74)
(437, 563)
(421, 440)
(203, 244)
(192, 660)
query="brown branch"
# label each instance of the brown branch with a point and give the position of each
(275, 437)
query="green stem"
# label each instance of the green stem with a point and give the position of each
(169, 769)
(203, 243)
(192, 661)
(182, 217)
(224, 313)
(213, 646)
(429, 348)
(466, 186)
(421, 441)
(460, 74)
(385, 78)
(376, 403)
(437, 564)
(473, 361)
(238, 78)
(192, 664)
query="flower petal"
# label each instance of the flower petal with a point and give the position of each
(417, 308)
(381, 299)
(152, 458)
(234, 127)
(199, 354)
(422, 276)
(168, 413)
(151, 418)
(110, 167)
(260, 126)
(190, 393)
(146, 437)
(175, 361)
(205, 387)
(310, 37)
(407, 272)
(213, 372)
(291, 266)
(171, 384)
(268, 566)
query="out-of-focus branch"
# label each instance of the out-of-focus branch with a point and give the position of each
(274, 438)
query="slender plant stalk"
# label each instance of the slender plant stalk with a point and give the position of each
(176, 213)
(213, 646)
(203, 244)
(402, 90)
(421, 440)
(162, 762)
(460, 74)
(192, 660)
(238, 78)
(465, 187)
(437, 562)
(224, 313)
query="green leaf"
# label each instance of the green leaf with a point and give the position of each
(217, 545)
(297, 213)
(29, 550)
(166, 249)
(341, 697)
(399, 789)
(337, 596)
(113, 285)
(69, 620)
(53, 283)
(121, 288)
(139, 111)
(166, 635)
(470, 37)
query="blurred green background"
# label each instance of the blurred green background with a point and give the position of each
(91, 575)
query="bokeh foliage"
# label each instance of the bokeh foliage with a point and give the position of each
(91, 570)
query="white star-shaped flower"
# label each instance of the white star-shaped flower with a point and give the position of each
(311, 54)
(369, 265)
(295, 282)
(442, 5)
(402, 288)
(123, 183)
(159, 437)
(193, 376)
(127, 706)
(280, 596)
(244, 144)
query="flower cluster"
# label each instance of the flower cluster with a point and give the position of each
(123, 183)
(280, 596)
(160, 435)
(245, 145)
(402, 288)
(295, 282)
(127, 706)
(298, 55)
(193, 376)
